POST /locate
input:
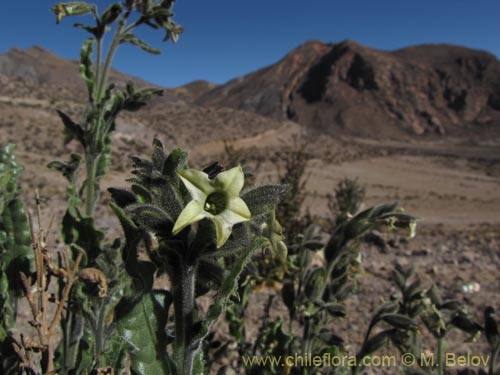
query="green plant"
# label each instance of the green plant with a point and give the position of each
(347, 201)
(314, 292)
(439, 316)
(200, 232)
(15, 249)
(106, 101)
(294, 175)
(88, 334)
(89, 337)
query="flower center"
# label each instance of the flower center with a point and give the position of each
(216, 203)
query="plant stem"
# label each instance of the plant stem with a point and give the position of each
(98, 63)
(306, 340)
(93, 152)
(100, 334)
(493, 360)
(440, 354)
(184, 308)
(91, 164)
(115, 42)
(72, 332)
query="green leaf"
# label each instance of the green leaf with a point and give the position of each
(175, 161)
(227, 289)
(400, 321)
(264, 199)
(314, 284)
(72, 129)
(140, 270)
(384, 309)
(111, 14)
(10, 170)
(465, 323)
(336, 310)
(151, 218)
(356, 227)
(122, 197)
(435, 295)
(140, 98)
(159, 157)
(142, 327)
(15, 239)
(81, 231)
(91, 30)
(375, 343)
(86, 70)
(70, 171)
(132, 39)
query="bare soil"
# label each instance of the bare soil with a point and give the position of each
(452, 185)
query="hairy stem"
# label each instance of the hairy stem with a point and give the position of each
(98, 62)
(184, 308)
(92, 153)
(100, 334)
(91, 164)
(115, 42)
(72, 328)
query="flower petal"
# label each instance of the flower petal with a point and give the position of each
(231, 181)
(192, 213)
(222, 229)
(238, 207)
(197, 183)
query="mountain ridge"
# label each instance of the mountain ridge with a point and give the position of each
(342, 88)
(352, 89)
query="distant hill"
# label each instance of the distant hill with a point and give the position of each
(340, 88)
(192, 91)
(41, 66)
(351, 89)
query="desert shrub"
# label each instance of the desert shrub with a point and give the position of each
(292, 173)
(347, 200)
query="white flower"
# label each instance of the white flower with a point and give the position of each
(217, 200)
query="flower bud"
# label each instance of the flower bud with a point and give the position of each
(78, 8)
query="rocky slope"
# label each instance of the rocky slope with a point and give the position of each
(40, 66)
(351, 89)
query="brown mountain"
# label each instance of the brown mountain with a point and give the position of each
(38, 65)
(192, 91)
(351, 89)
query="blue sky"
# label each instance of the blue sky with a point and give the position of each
(228, 38)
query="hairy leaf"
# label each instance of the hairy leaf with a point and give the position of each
(142, 327)
(263, 199)
(86, 70)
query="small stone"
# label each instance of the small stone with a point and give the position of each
(421, 252)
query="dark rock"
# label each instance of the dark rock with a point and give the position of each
(420, 252)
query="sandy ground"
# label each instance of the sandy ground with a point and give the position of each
(452, 185)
